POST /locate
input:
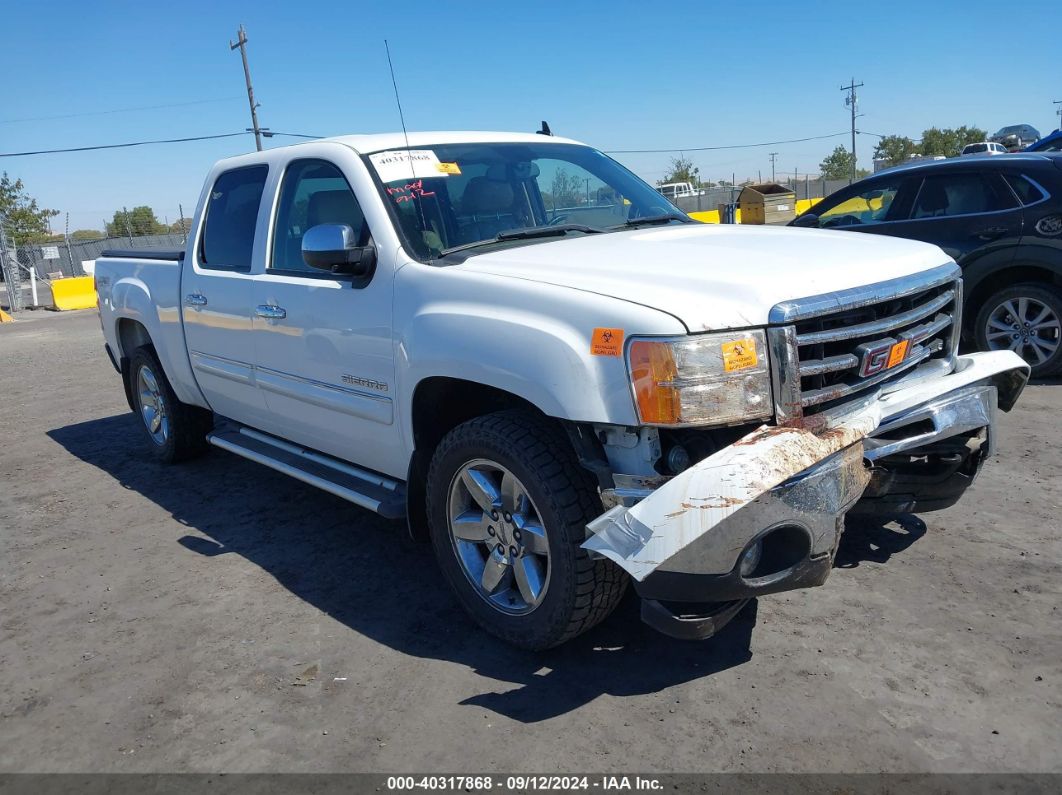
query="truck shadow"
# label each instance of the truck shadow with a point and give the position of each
(876, 539)
(364, 572)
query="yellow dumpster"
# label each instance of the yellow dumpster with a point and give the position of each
(78, 292)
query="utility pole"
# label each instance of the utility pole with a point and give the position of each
(241, 42)
(774, 156)
(850, 101)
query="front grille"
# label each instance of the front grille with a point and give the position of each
(828, 356)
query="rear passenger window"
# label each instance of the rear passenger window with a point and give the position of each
(947, 195)
(1026, 190)
(231, 215)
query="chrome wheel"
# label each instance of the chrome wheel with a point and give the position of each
(152, 406)
(498, 536)
(1026, 326)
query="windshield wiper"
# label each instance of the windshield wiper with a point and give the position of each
(525, 233)
(651, 219)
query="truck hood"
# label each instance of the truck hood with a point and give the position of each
(712, 276)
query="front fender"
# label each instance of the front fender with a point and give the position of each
(532, 340)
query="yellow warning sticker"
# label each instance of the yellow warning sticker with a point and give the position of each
(448, 168)
(739, 354)
(607, 342)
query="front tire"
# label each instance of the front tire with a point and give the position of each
(1027, 319)
(508, 506)
(175, 431)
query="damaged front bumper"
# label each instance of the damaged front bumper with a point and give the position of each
(766, 514)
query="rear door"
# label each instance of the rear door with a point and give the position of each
(323, 345)
(971, 214)
(216, 293)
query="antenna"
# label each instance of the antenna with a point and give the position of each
(401, 116)
(417, 200)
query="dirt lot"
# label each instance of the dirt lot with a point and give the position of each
(218, 616)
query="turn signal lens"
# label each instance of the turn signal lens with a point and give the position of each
(652, 371)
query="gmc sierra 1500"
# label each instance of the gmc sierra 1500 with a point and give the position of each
(549, 370)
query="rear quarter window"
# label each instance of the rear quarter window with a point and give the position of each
(231, 218)
(1027, 191)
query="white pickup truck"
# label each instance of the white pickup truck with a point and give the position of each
(552, 373)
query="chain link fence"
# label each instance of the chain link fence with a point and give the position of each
(20, 266)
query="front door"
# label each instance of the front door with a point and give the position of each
(324, 359)
(970, 214)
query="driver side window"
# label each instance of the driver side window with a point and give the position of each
(572, 194)
(313, 192)
(867, 206)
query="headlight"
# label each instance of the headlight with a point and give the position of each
(707, 379)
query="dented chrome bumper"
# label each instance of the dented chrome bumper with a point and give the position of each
(781, 493)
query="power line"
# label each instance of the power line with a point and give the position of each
(122, 146)
(117, 110)
(716, 148)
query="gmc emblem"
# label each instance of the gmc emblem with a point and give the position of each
(881, 355)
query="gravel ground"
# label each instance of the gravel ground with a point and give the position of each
(217, 616)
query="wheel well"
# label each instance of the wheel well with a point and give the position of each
(131, 335)
(440, 404)
(1000, 280)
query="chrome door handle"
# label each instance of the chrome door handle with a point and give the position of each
(195, 299)
(271, 312)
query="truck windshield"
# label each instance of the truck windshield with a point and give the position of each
(475, 197)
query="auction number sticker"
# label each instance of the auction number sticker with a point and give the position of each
(408, 164)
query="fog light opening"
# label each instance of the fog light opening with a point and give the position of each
(678, 459)
(751, 559)
(776, 551)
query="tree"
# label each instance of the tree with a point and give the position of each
(949, 142)
(135, 223)
(566, 189)
(86, 234)
(176, 227)
(682, 170)
(837, 164)
(895, 149)
(25, 221)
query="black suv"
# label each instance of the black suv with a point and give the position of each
(999, 217)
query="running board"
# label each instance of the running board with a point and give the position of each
(362, 487)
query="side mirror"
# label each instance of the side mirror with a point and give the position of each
(334, 248)
(808, 220)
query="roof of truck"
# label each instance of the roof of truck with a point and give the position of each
(380, 142)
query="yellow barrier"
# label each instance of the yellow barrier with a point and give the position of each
(5, 317)
(78, 292)
(712, 216)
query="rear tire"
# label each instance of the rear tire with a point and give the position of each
(1027, 319)
(513, 471)
(175, 431)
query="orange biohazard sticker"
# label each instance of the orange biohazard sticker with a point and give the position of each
(897, 353)
(739, 354)
(607, 342)
(449, 168)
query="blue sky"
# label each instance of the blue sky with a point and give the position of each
(618, 75)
